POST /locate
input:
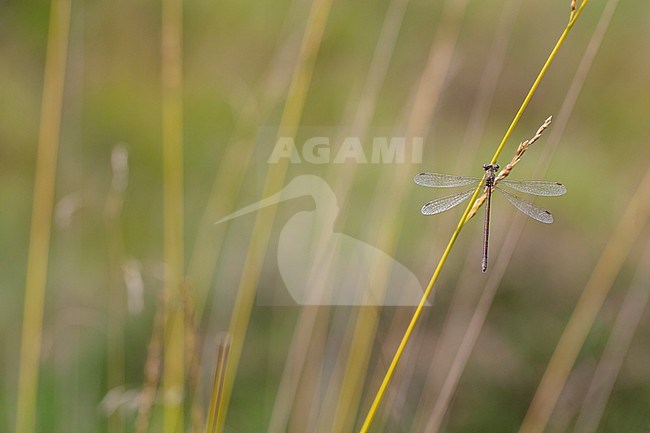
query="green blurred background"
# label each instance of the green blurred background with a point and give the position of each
(113, 97)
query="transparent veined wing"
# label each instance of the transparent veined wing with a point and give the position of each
(528, 208)
(536, 187)
(441, 180)
(445, 203)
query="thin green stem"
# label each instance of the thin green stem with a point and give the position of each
(213, 420)
(463, 219)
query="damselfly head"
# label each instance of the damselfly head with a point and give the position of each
(493, 167)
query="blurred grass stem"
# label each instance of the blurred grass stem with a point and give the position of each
(116, 297)
(393, 187)
(291, 115)
(213, 421)
(172, 142)
(308, 329)
(233, 165)
(463, 219)
(538, 80)
(39, 239)
(618, 344)
(573, 337)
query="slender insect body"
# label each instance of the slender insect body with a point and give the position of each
(489, 185)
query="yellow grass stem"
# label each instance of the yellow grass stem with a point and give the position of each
(39, 238)
(414, 319)
(264, 219)
(445, 346)
(172, 142)
(392, 188)
(363, 329)
(507, 249)
(416, 315)
(538, 80)
(217, 387)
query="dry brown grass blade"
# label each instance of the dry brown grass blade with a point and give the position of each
(154, 360)
(192, 354)
(590, 302)
(521, 149)
(152, 368)
(39, 238)
(573, 8)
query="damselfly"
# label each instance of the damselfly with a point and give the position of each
(535, 187)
